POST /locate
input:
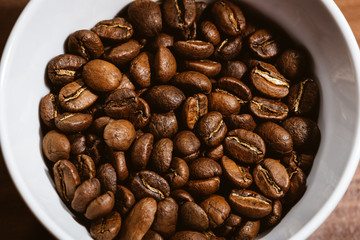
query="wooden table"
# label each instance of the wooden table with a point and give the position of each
(17, 222)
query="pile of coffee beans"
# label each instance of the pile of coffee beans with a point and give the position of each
(180, 120)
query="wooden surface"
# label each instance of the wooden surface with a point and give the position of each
(17, 221)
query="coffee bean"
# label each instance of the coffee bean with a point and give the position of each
(235, 87)
(203, 187)
(162, 40)
(161, 155)
(64, 68)
(211, 129)
(228, 17)
(224, 103)
(194, 49)
(271, 178)
(100, 206)
(139, 220)
(106, 227)
(87, 191)
(66, 179)
(187, 235)
(234, 69)
(303, 97)
(297, 185)
(244, 121)
(164, 65)
(181, 196)
(141, 151)
(73, 122)
(78, 143)
(292, 63)
(149, 184)
(268, 109)
(200, 9)
(115, 30)
(204, 168)
(146, 17)
(193, 217)
(125, 200)
(230, 225)
(301, 160)
(119, 135)
(210, 32)
(121, 103)
(163, 125)
(194, 82)
(48, 109)
(229, 49)
(56, 146)
(206, 67)
(216, 152)
(193, 109)
(140, 69)
(250, 203)
(95, 147)
(236, 174)
(166, 217)
(165, 97)
(275, 216)
(141, 116)
(178, 173)
(85, 43)
(179, 14)
(263, 44)
(190, 32)
(99, 124)
(123, 53)
(85, 167)
(101, 75)
(217, 210)
(107, 177)
(187, 145)
(248, 231)
(152, 235)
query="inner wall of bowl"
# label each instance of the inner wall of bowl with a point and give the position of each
(41, 35)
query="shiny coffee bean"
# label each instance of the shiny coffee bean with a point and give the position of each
(139, 220)
(181, 196)
(217, 209)
(148, 22)
(190, 32)
(107, 177)
(141, 116)
(263, 44)
(301, 160)
(152, 235)
(56, 146)
(141, 151)
(164, 65)
(179, 14)
(95, 147)
(48, 109)
(64, 68)
(181, 235)
(303, 97)
(275, 216)
(124, 200)
(178, 173)
(162, 40)
(193, 82)
(249, 203)
(194, 49)
(120, 166)
(85, 167)
(106, 227)
(210, 32)
(100, 206)
(238, 175)
(165, 97)
(114, 30)
(99, 124)
(244, 121)
(297, 185)
(140, 69)
(193, 217)
(271, 178)
(268, 109)
(73, 122)
(149, 184)
(229, 49)
(85, 43)
(119, 134)
(224, 103)
(78, 143)
(215, 152)
(234, 69)
(123, 53)
(204, 168)
(193, 109)
(248, 231)
(235, 87)
(211, 129)
(166, 217)
(245, 146)
(207, 67)
(292, 63)
(203, 187)
(87, 191)
(187, 145)
(200, 9)
(163, 125)
(121, 103)
(276, 138)
(230, 225)
(161, 155)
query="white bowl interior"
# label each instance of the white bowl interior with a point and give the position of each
(40, 33)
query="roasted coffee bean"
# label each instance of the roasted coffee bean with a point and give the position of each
(99, 124)
(75, 96)
(114, 30)
(141, 116)
(87, 191)
(66, 179)
(85, 167)
(297, 185)
(126, 83)
(188, 235)
(73, 122)
(275, 216)
(106, 227)
(162, 40)
(121, 103)
(263, 44)
(95, 147)
(301, 160)
(123, 53)
(187, 145)
(245, 146)
(64, 68)
(235, 87)
(139, 220)
(146, 17)
(179, 14)
(303, 97)
(141, 151)
(48, 109)
(210, 32)
(292, 63)
(164, 65)
(304, 132)
(149, 184)
(181, 196)
(249, 203)
(193, 217)
(215, 152)
(248, 231)
(203, 187)
(200, 9)
(163, 125)
(101, 75)
(178, 173)
(234, 69)
(190, 32)
(207, 67)
(276, 138)
(119, 134)
(140, 69)
(194, 82)
(166, 217)
(250, 28)
(271, 178)
(152, 235)
(193, 109)
(217, 210)
(85, 43)
(78, 143)
(161, 155)
(165, 97)
(230, 224)
(125, 200)
(224, 103)
(56, 146)
(107, 177)
(268, 109)
(204, 168)
(211, 129)
(229, 49)
(267, 80)
(100, 206)
(244, 121)
(239, 176)
(228, 17)
(194, 49)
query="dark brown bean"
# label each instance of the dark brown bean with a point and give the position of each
(152, 235)
(123, 53)
(194, 82)
(211, 129)
(78, 143)
(56, 146)
(292, 63)
(107, 227)
(119, 134)
(141, 117)
(204, 168)
(162, 40)
(207, 67)
(193, 109)
(165, 97)
(85, 193)
(194, 49)
(235, 87)
(85, 167)
(301, 160)
(140, 69)
(99, 124)
(238, 175)
(141, 151)
(85, 43)
(66, 179)
(203, 187)
(188, 235)
(268, 109)
(230, 225)
(164, 65)
(229, 49)
(303, 97)
(275, 216)
(166, 217)
(248, 231)
(73, 122)
(48, 109)
(200, 9)
(235, 69)
(121, 103)
(115, 30)
(193, 217)
(263, 44)
(179, 14)
(224, 103)
(244, 121)
(107, 177)
(181, 196)
(100, 206)
(161, 155)
(163, 125)
(216, 152)
(125, 200)
(297, 185)
(178, 173)
(187, 145)
(217, 210)
(210, 32)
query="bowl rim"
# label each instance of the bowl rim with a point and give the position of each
(303, 233)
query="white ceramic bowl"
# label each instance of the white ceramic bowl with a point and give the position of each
(39, 35)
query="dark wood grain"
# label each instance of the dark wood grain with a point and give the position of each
(17, 221)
